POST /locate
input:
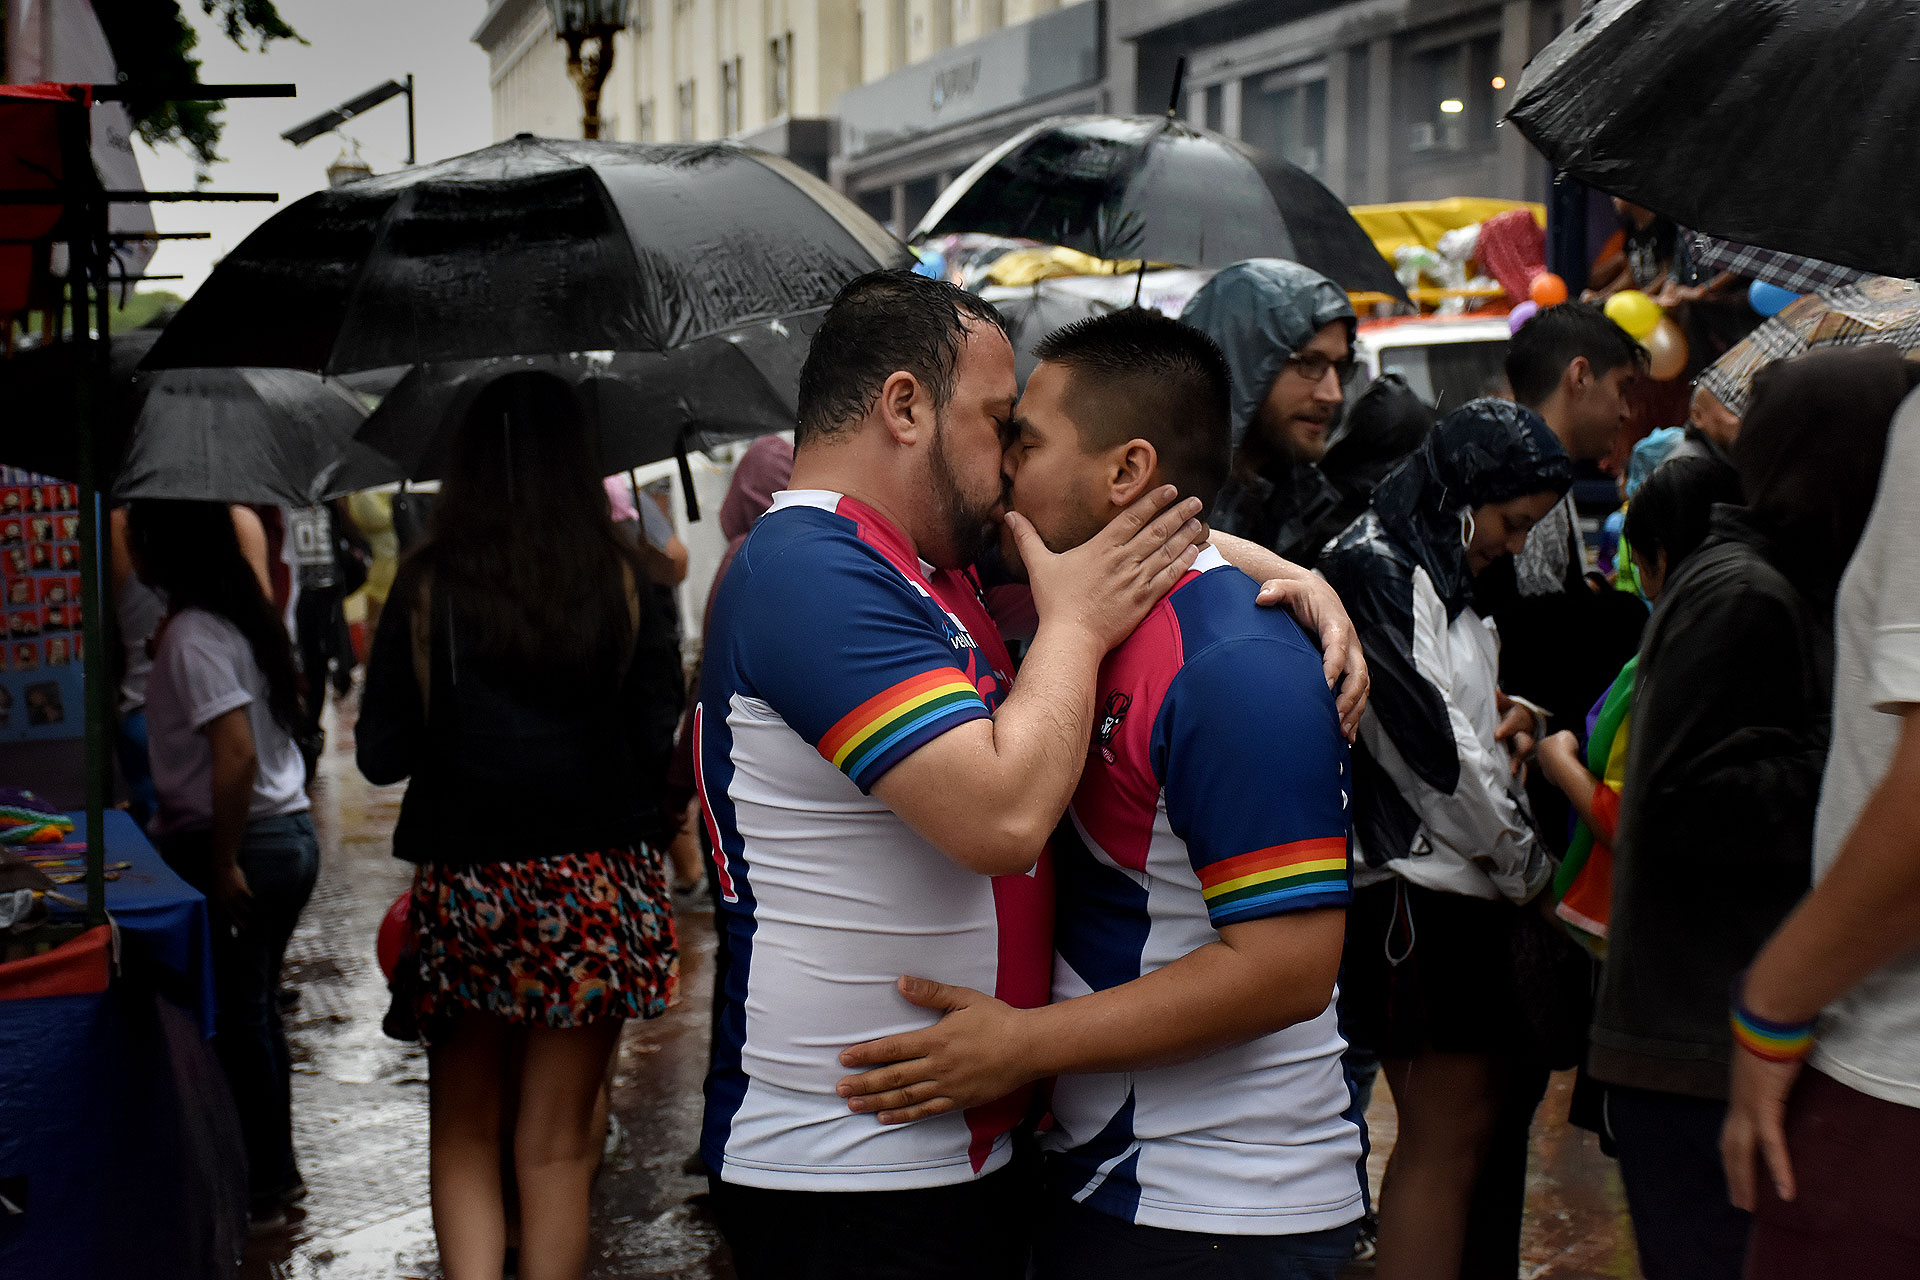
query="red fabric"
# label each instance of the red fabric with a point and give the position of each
(1606, 813)
(30, 160)
(79, 968)
(1513, 250)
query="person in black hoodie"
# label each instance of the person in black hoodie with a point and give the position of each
(527, 695)
(1731, 718)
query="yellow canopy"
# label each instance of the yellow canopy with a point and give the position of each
(1048, 262)
(1393, 226)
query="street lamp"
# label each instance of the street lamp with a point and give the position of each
(576, 22)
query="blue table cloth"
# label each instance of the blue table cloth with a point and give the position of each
(162, 919)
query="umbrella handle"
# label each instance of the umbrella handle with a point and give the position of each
(1179, 83)
(686, 478)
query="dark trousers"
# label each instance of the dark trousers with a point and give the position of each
(1079, 1243)
(1669, 1151)
(978, 1230)
(318, 626)
(1857, 1184)
(281, 858)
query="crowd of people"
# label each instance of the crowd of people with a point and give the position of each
(1086, 964)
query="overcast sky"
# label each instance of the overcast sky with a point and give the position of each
(352, 46)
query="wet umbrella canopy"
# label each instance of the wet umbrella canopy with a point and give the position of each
(646, 406)
(528, 247)
(1787, 124)
(1152, 187)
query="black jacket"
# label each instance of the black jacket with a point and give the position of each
(1728, 739)
(504, 765)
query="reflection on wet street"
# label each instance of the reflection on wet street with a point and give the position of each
(360, 1103)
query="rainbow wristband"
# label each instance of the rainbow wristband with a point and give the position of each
(1764, 1038)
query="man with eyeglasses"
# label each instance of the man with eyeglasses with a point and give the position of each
(1287, 332)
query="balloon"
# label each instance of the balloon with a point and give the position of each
(1769, 299)
(392, 937)
(1521, 313)
(1635, 312)
(1666, 351)
(1548, 289)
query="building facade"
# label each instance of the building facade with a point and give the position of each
(1380, 99)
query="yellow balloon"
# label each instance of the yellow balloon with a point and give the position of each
(1635, 312)
(1666, 351)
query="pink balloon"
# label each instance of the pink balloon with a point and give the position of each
(1521, 313)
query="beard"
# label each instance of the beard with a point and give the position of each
(972, 522)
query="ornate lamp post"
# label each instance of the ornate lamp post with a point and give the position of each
(577, 22)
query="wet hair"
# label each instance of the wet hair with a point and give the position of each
(1138, 374)
(1540, 352)
(1672, 508)
(880, 324)
(189, 552)
(520, 541)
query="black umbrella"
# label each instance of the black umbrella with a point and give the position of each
(529, 247)
(1787, 124)
(37, 392)
(270, 437)
(647, 406)
(1155, 188)
(266, 436)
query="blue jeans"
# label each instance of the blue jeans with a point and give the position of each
(281, 859)
(1078, 1243)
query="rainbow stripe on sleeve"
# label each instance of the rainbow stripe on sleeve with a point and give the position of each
(889, 720)
(1284, 877)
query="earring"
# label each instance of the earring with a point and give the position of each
(1466, 526)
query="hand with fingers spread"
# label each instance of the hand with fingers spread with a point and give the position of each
(973, 1055)
(1106, 585)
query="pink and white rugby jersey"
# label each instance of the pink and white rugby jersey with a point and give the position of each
(833, 654)
(1216, 793)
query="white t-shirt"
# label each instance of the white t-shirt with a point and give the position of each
(1870, 1038)
(203, 669)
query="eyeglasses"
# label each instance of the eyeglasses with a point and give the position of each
(1313, 366)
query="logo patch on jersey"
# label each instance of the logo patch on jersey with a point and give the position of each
(1111, 716)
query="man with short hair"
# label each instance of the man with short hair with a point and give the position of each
(1287, 333)
(876, 798)
(1202, 880)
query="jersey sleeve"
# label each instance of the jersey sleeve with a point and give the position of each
(1254, 768)
(851, 656)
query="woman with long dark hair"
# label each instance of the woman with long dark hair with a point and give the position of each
(1732, 709)
(1446, 855)
(518, 684)
(223, 701)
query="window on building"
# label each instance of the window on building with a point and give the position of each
(1450, 96)
(643, 122)
(878, 205)
(1208, 107)
(642, 17)
(1286, 115)
(730, 97)
(780, 75)
(686, 122)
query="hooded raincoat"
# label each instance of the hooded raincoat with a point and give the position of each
(1434, 800)
(1260, 312)
(1731, 716)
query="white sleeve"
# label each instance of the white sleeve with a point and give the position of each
(205, 667)
(1892, 540)
(1481, 821)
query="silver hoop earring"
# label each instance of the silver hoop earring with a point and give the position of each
(1466, 526)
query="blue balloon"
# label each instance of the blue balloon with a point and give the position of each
(1769, 299)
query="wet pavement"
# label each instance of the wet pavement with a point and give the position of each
(360, 1104)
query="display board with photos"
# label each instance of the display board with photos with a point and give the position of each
(40, 658)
